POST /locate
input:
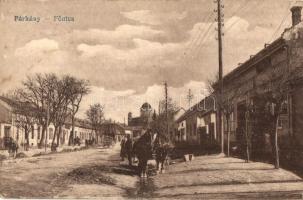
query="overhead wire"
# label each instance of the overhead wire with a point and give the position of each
(281, 23)
(241, 7)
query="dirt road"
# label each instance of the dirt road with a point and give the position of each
(87, 173)
(98, 173)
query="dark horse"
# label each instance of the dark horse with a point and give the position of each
(142, 148)
(161, 148)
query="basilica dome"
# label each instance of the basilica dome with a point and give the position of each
(146, 106)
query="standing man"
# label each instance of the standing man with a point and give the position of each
(129, 149)
(122, 152)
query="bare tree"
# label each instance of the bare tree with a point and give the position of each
(249, 118)
(162, 122)
(275, 88)
(36, 91)
(226, 102)
(24, 119)
(95, 115)
(60, 103)
(53, 99)
(78, 89)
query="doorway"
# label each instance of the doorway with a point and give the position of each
(241, 126)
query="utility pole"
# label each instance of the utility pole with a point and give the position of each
(220, 20)
(189, 97)
(166, 108)
(159, 108)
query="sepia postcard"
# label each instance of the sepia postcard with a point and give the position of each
(151, 99)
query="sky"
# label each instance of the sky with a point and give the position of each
(127, 49)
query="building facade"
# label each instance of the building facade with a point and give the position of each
(113, 130)
(275, 70)
(197, 125)
(136, 124)
(10, 126)
(178, 132)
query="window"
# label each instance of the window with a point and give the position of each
(282, 123)
(284, 107)
(182, 135)
(38, 132)
(7, 130)
(17, 133)
(33, 132)
(51, 133)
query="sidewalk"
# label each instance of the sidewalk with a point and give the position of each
(218, 174)
(5, 158)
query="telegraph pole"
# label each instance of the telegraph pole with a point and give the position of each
(220, 24)
(189, 97)
(166, 108)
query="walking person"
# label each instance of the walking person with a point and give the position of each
(129, 149)
(122, 151)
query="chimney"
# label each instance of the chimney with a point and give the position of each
(296, 15)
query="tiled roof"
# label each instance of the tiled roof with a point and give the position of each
(18, 106)
(278, 43)
(138, 121)
(9, 101)
(199, 108)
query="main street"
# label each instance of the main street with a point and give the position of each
(97, 173)
(87, 173)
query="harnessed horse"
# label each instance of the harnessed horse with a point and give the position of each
(161, 149)
(148, 144)
(142, 148)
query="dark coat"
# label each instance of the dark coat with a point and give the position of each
(128, 146)
(122, 152)
(143, 147)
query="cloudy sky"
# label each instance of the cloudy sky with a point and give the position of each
(128, 48)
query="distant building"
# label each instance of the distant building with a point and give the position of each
(10, 127)
(136, 124)
(197, 125)
(113, 130)
(82, 129)
(177, 115)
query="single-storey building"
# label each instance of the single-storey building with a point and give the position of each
(197, 125)
(254, 87)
